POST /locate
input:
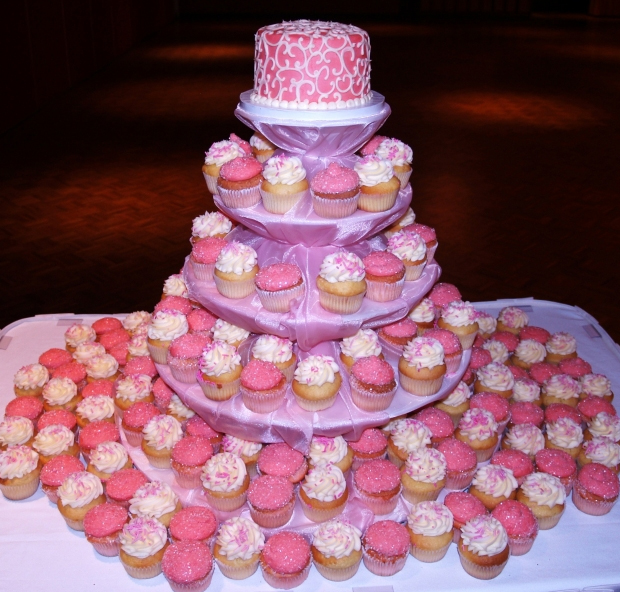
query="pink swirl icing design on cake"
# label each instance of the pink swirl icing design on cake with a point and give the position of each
(311, 65)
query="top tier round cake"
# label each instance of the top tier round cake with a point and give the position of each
(311, 65)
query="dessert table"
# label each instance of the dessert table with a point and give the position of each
(582, 552)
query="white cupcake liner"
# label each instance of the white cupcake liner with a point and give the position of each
(453, 363)
(319, 405)
(158, 353)
(289, 372)
(384, 291)
(203, 271)
(20, 492)
(481, 572)
(237, 573)
(234, 289)
(594, 508)
(320, 514)
(336, 574)
(421, 388)
(367, 400)
(158, 462)
(263, 402)
(133, 438)
(275, 203)
(77, 525)
(212, 392)
(384, 568)
(184, 370)
(286, 582)
(341, 304)
(467, 341)
(187, 481)
(225, 504)
(107, 549)
(196, 586)
(263, 157)
(485, 454)
(143, 573)
(413, 272)
(377, 202)
(280, 300)
(429, 555)
(211, 183)
(521, 545)
(334, 208)
(272, 519)
(240, 198)
(415, 497)
(549, 522)
(458, 480)
(430, 253)
(404, 177)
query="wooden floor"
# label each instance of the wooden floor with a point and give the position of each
(515, 128)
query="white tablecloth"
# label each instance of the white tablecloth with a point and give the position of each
(39, 552)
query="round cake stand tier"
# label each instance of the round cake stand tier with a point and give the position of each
(301, 226)
(307, 323)
(290, 423)
(317, 137)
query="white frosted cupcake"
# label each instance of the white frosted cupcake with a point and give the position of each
(316, 382)
(164, 327)
(456, 403)
(499, 352)
(247, 450)
(512, 319)
(526, 390)
(77, 494)
(237, 548)
(478, 428)
(528, 352)
(524, 437)
(423, 315)
(278, 351)
(19, 472)
(379, 185)
(330, 451)
(160, 434)
(323, 493)
(460, 318)
(494, 378)
(16, 431)
(60, 393)
(136, 320)
(422, 366)
(405, 220)
(262, 148)
(131, 389)
(409, 247)
(483, 547)
(602, 451)
(30, 380)
(231, 334)
(86, 351)
(564, 434)
(143, 543)
(180, 411)
(107, 459)
(423, 475)
(337, 550)
(235, 269)
(103, 367)
(78, 333)
(341, 283)
(560, 388)
(363, 344)
(406, 436)
(220, 371)
(487, 324)
(430, 526)
(493, 484)
(399, 155)
(155, 499)
(561, 346)
(604, 425)
(218, 155)
(210, 225)
(284, 183)
(596, 385)
(545, 495)
(225, 481)
(53, 440)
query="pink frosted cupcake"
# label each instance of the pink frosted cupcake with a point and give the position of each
(271, 500)
(114, 338)
(536, 333)
(278, 285)
(263, 386)
(461, 463)
(122, 486)
(443, 293)
(494, 403)
(525, 412)
(196, 426)
(188, 566)
(464, 506)
(134, 420)
(429, 236)
(558, 463)
(285, 560)
(56, 471)
(543, 371)
(29, 407)
(103, 525)
(591, 406)
(385, 545)
(517, 461)
(411, 249)
(280, 460)
(58, 417)
(421, 368)
(479, 357)
(335, 192)
(453, 351)
(430, 525)
(520, 524)
(438, 422)
(219, 154)
(510, 340)
(143, 543)
(105, 325)
(140, 365)
(184, 355)
(98, 387)
(371, 445)
(188, 457)
(596, 489)
(235, 269)
(323, 493)
(371, 146)
(225, 481)
(372, 384)
(95, 433)
(560, 410)
(399, 334)
(561, 346)
(194, 523)
(201, 321)
(204, 255)
(55, 357)
(239, 182)
(277, 350)
(385, 276)
(575, 367)
(483, 547)
(377, 484)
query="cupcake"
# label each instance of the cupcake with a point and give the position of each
(285, 560)
(16, 431)
(196, 426)
(363, 344)
(429, 236)
(99, 387)
(591, 406)
(278, 351)
(385, 547)
(231, 334)
(372, 384)
(423, 475)
(155, 499)
(263, 386)
(487, 324)
(106, 325)
(271, 500)
(399, 155)
(461, 463)
(237, 548)
(278, 285)
(421, 368)
(460, 318)
(410, 248)
(60, 417)
(29, 407)
(77, 494)
(430, 526)
(86, 351)
(188, 566)
(377, 484)
(201, 322)
(405, 220)
(280, 460)
(135, 321)
(180, 411)
(122, 486)
(225, 481)
(528, 352)
(494, 403)
(114, 339)
(235, 269)
(30, 380)
(316, 382)
(576, 368)
(602, 451)
(385, 276)
(545, 495)
(141, 365)
(423, 315)
(341, 283)
(130, 390)
(407, 435)
(493, 484)
(103, 525)
(494, 378)
(371, 445)
(483, 547)
(210, 225)
(19, 472)
(456, 403)
(160, 435)
(56, 471)
(512, 319)
(517, 461)
(536, 333)
(220, 371)
(558, 463)
(143, 543)
(564, 434)
(524, 412)
(520, 525)
(452, 348)
(189, 455)
(596, 489)
(76, 334)
(560, 388)
(247, 450)
(463, 506)
(543, 371)
(104, 366)
(372, 144)
(560, 346)
(239, 182)
(323, 493)
(284, 183)
(262, 148)
(526, 390)
(337, 550)
(184, 355)
(195, 524)
(596, 385)
(60, 393)
(134, 420)
(204, 255)
(165, 326)
(443, 293)
(107, 459)
(379, 185)
(54, 440)
(499, 352)
(335, 192)
(330, 451)
(557, 411)
(97, 408)
(219, 154)
(398, 334)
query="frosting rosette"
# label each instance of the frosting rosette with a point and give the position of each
(407, 246)
(222, 152)
(337, 538)
(223, 472)
(270, 348)
(478, 424)
(459, 313)
(239, 446)
(561, 343)
(363, 344)
(373, 170)
(396, 152)
(513, 317)
(427, 465)
(219, 357)
(162, 432)
(564, 432)
(484, 535)
(175, 286)
(525, 437)
(458, 396)
(240, 538)
(236, 258)
(79, 489)
(430, 518)
(134, 387)
(342, 266)
(88, 350)
(79, 333)
(31, 376)
(562, 386)
(153, 500)
(496, 376)
(325, 483)
(499, 352)
(211, 224)
(486, 323)
(15, 430)
(525, 390)
(59, 391)
(178, 409)
(495, 480)
(143, 537)
(531, 351)
(167, 325)
(284, 170)
(423, 352)
(53, 439)
(17, 461)
(137, 345)
(410, 434)
(224, 331)
(96, 408)
(103, 366)
(136, 319)
(603, 451)
(544, 489)
(316, 370)
(605, 425)
(109, 457)
(424, 312)
(261, 143)
(325, 450)
(597, 385)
